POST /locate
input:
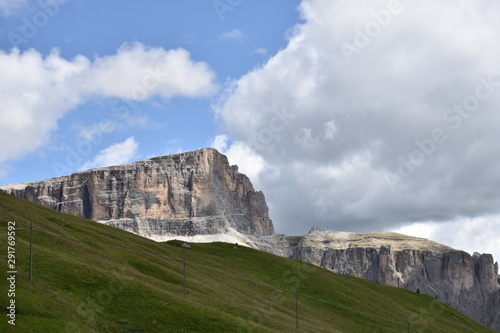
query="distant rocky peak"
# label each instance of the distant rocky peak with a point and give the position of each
(397, 242)
(469, 283)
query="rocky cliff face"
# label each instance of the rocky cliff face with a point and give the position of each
(470, 284)
(189, 194)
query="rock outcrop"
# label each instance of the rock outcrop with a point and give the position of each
(192, 194)
(469, 283)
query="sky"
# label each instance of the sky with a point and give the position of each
(350, 115)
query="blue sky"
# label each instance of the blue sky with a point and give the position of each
(230, 39)
(352, 115)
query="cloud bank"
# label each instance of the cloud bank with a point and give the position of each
(36, 90)
(377, 115)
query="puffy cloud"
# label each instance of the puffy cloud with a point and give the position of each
(36, 91)
(119, 153)
(376, 114)
(136, 73)
(243, 156)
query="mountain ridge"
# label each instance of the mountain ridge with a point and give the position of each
(469, 283)
(199, 196)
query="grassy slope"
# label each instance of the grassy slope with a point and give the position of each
(85, 287)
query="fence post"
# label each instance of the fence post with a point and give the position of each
(31, 251)
(296, 308)
(184, 276)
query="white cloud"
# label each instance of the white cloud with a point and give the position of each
(336, 128)
(471, 235)
(9, 7)
(235, 34)
(248, 162)
(220, 143)
(119, 153)
(137, 73)
(36, 91)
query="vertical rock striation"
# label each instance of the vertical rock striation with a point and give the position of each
(187, 194)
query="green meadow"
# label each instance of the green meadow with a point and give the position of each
(88, 277)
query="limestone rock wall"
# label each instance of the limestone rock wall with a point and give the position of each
(468, 283)
(183, 194)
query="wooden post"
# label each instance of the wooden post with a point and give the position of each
(296, 308)
(31, 251)
(184, 276)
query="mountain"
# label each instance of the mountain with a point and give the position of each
(197, 196)
(469, 283)
(89, 277)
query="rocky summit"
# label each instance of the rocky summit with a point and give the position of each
(199, 197)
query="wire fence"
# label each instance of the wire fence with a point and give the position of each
(293, 291)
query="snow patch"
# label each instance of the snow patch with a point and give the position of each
(230, 236)
(231, 239)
